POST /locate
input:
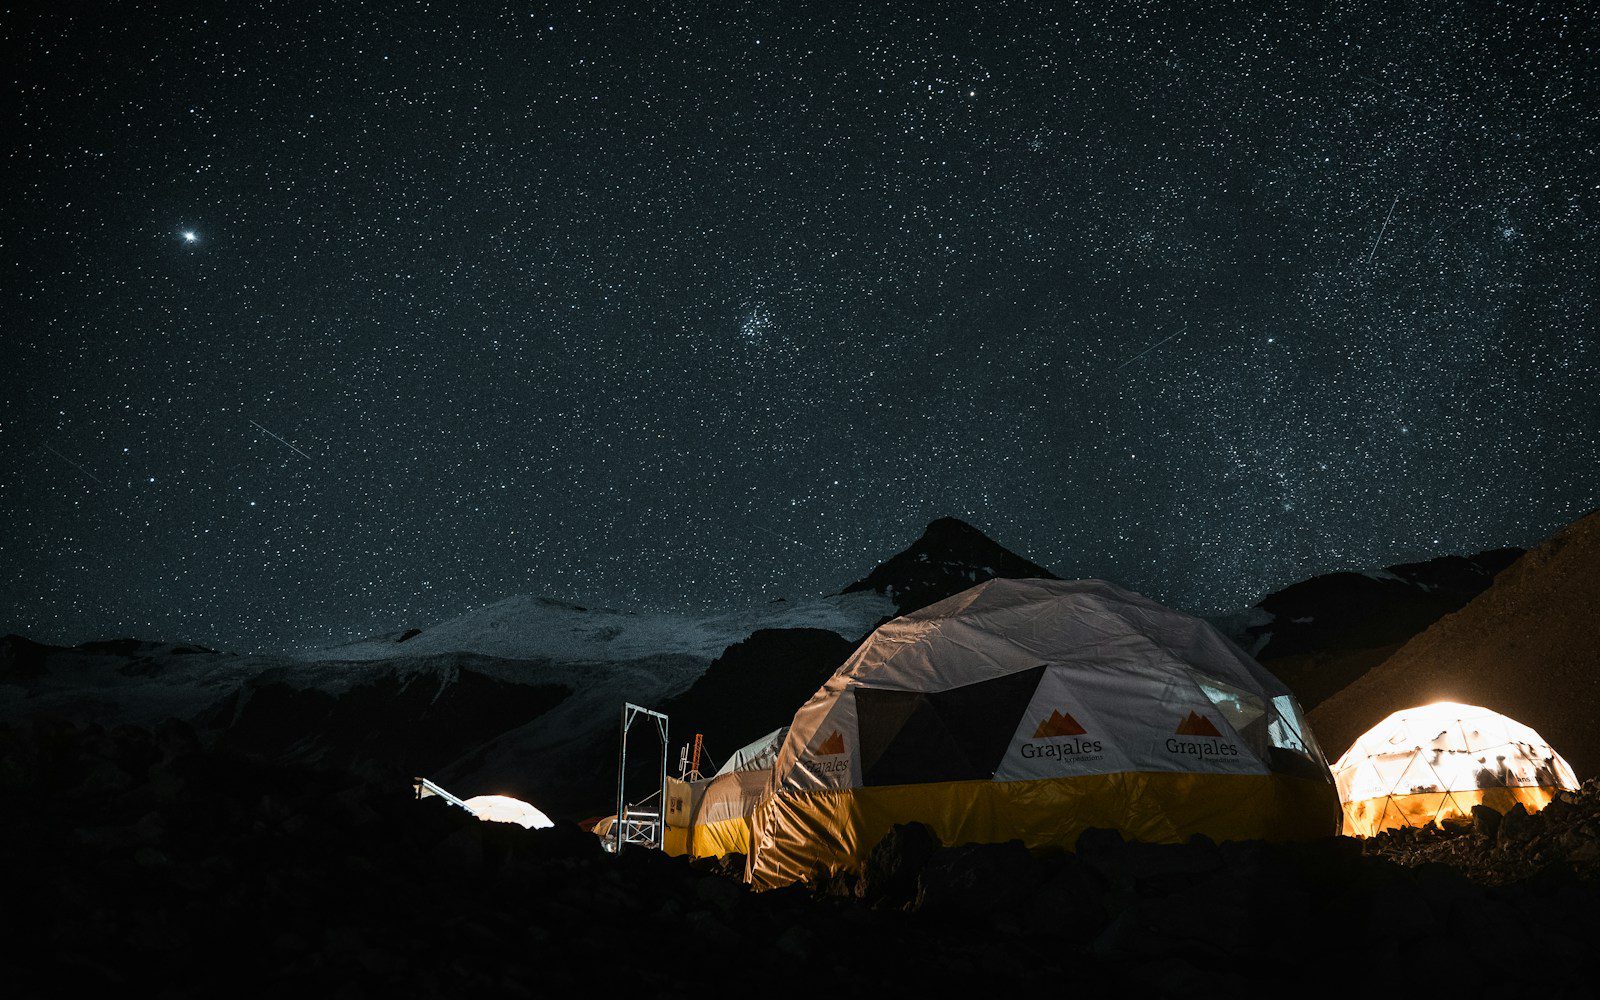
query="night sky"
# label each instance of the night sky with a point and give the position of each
(325, 321)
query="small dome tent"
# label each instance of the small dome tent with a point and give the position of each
(505, 809)
(718, 809)
(722, 819)
(1433, 763)
(1033, 710)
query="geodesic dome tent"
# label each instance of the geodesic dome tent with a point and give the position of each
(505, 809)
(1033, 710)
(1433, 763)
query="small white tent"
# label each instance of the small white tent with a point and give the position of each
(490, 808)
(717, 810)
(505, 809)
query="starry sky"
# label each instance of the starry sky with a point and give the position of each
(322, 320)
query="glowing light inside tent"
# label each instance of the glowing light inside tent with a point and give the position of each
(505, 809)
(1433, 763)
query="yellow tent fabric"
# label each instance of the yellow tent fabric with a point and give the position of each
(831, 830)
(1432, 763)
(683, 797)
(722, 824)
(1034, 709)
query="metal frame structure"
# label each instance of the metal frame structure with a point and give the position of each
(689, 759)
(425, 789)
(634, 824)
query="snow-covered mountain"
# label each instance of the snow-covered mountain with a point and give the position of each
(950, 556)
(535, 628)
(521, 696)
(508, 697)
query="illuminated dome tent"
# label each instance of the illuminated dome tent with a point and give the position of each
(505, 809)
(489, 808)
(1033, 710)
(1433, 763)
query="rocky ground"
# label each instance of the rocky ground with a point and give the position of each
(1504, 850)
(141, 861)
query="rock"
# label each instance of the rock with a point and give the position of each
(1485, 821)
(1071, 895)
(1397, 912)
(718, 892)
(979, 881)
(797, 942)
(1515, 827)
(565, 840)
(462, 850)
(890, 873)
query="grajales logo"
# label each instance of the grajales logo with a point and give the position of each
(831, 746)
(1061, 726)
(1205, 740)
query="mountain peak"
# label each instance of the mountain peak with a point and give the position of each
(950, 556)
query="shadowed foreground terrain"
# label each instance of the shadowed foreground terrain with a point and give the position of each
(140, 859)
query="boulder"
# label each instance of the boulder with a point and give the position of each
(1485, 822)
(977, 881)
(889, 876)
(1515, 827)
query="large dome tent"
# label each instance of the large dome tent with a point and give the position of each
(1033, 710)
(1433, 763)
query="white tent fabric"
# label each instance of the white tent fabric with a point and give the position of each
(505, 809)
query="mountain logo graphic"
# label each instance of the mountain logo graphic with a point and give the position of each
(831, 746)
(1196, 724)
(1059, 724)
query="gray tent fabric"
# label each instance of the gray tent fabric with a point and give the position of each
(758, 756)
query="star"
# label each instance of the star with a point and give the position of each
(190, 236)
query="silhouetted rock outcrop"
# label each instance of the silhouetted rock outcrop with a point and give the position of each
(756, 685)
(1321, 634)
(950, 556)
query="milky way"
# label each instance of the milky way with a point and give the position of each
(688, 310)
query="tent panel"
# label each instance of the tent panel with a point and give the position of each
(757, 756)
(675, 841)
(881, 715)
(801, 832)
(1151, 719)
(732, 796)
(714, 840)
(952, 735)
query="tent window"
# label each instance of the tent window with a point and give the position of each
(1241, 708)
(1287, 730)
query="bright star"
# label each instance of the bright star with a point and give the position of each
(190, 236)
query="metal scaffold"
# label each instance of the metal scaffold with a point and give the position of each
(638, 822)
